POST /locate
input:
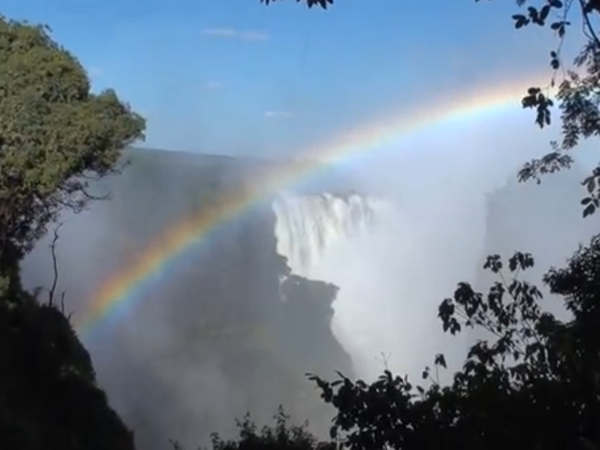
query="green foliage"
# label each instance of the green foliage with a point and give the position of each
(54, 136)
(282, 436)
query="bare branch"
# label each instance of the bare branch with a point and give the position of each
(52, 290)
(588, 24)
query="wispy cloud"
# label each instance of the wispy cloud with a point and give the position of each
(213, 85)
(279, 115)
(244, 35)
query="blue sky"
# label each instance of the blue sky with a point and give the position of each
(235, 76)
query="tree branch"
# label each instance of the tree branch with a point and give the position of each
(52, 290)
(588, 23)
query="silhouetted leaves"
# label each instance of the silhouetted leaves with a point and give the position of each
(577, 94)
(535, 15)
(520, 20)
(512, 386)
(310, 3)
(440, 360)
(549, 163)
(542, 104)
(560, 27)
(554, 60)
(281, 436)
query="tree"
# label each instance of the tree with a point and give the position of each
(533, 384)
(55, 136)
(534, 381)
(577, 92)
(281, 436)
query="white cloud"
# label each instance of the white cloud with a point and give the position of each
(213, 85)
(244, 35)
(279, 115)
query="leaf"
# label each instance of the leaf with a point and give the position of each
(591, 184)
(589, 210)
(440, 360)
(425, 373)
(520, 20)
(544, 12)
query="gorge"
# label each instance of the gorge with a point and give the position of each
(319, 278)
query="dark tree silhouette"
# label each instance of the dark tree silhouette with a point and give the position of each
(532, 384)
(280, 436)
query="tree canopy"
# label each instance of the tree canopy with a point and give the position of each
(533, 384)
(55, 136)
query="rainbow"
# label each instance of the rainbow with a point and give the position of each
(127, 284)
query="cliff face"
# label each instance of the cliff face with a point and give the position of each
(48, 393)
(212, 338)
(544, 220)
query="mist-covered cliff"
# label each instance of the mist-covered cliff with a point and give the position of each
(543, 219)
(228, 327)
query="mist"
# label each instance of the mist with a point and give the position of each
(214, 336)
(437, 231)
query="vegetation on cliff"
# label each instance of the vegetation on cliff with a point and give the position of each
(55, 135)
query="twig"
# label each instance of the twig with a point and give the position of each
(384, 361)
(593, 34)
(52, 290)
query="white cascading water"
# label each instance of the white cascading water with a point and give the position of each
(323, 236)
(385, 312)
(308, 226)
